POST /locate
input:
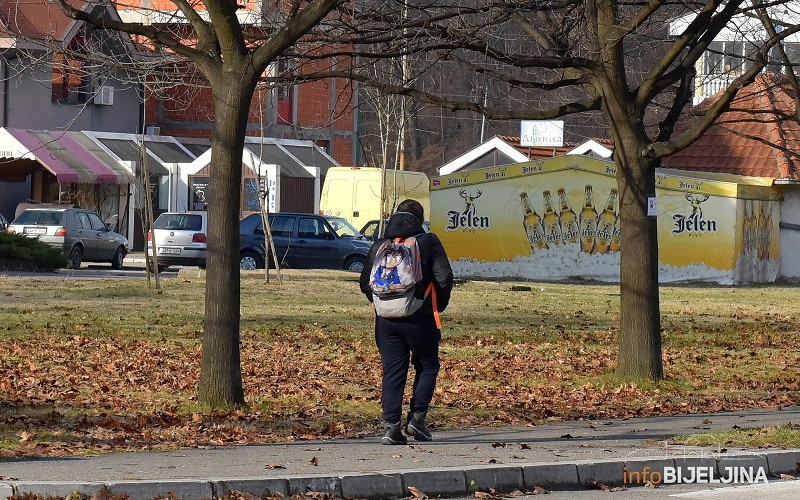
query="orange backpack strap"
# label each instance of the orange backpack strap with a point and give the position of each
(432, 291)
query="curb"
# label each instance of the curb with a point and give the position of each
(439, 482)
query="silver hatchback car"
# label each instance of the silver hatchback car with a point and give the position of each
(180, 239)
(81, 234)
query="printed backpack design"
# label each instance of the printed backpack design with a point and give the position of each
(395, 273)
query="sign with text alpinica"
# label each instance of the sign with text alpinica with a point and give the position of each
(541, 133)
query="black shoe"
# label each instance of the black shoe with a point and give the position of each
(393, 434)
(416, 427)
(409, 416)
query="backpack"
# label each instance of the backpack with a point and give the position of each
(396, 271)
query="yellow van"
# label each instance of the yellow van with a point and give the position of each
(354, 193)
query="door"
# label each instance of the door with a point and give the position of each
(84, 232)
(106, 244)
(315, 246)
(282, 230)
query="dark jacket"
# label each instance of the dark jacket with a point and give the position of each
(435, 265)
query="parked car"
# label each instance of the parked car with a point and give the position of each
(180, 239)
(3, 223)
(81, 234)
(304, 241)
(370, 229)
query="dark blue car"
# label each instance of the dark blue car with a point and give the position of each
(303, 241)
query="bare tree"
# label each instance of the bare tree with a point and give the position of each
(573, 59)
(231, 54)
(389, 118)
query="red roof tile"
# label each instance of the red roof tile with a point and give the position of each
(756, 137)
(33, 19)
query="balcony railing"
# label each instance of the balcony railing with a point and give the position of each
(711, 84)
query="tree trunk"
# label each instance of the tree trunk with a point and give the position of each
(220, 383)
(640, 316)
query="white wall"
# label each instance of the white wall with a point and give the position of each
(790, 238)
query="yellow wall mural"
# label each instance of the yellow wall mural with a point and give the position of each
(558, 218)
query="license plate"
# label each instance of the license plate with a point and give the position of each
(34, 230)
(173, 251)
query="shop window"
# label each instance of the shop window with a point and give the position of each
(198, 192)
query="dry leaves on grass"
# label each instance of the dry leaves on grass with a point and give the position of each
(74, 385)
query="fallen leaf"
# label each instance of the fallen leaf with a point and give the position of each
(567, 436)
(788, 477)
(596, 485)
(524, 446)
(314, 461)
(416, 492)
(498, 445)
(274, 466)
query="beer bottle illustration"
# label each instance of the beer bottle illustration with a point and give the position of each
(605, 225)
(761, 229)
(552, 229)
(747, 228)
(588, 222)
(568, 219)
(615, 241)
(533, 224)
(768, 231)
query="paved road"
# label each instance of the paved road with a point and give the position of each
(133, 267)
(561, 455)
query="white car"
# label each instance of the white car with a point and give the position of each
(180, 239)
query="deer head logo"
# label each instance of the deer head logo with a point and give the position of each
(696, 200)
(469, 199)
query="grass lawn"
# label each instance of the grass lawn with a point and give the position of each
(96, 365)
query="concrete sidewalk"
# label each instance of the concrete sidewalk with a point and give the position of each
(562, 455)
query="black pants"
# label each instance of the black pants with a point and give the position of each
(397, 339)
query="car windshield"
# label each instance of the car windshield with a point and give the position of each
(369, 228)
(182, 222)
(41, 217)
(343, 228)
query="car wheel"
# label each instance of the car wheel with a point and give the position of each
(355, 264)
(161, 268)
(75, 257)
(119, 257)
(249, 261)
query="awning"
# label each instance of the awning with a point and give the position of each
(271, 153)
(64, 156)
(128, 149)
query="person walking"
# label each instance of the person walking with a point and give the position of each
(413, 339)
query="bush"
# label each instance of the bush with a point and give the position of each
(20, 252)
